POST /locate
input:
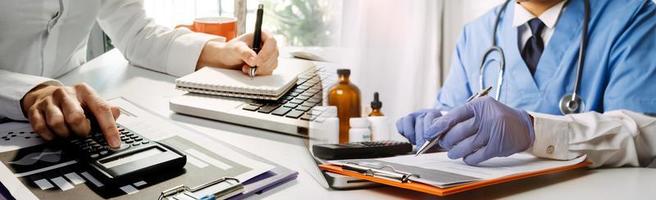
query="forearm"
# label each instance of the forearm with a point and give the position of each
(146, 44)
(14, 86)
(615, 138)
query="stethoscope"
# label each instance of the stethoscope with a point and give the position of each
(570, 103)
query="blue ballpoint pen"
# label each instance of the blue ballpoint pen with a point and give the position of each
(427, 145)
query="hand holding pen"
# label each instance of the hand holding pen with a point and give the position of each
(430, 143)
(239, 53)
(481, 129)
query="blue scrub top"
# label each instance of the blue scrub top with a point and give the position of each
(619, 70)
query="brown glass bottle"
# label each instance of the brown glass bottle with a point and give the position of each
(346, 97)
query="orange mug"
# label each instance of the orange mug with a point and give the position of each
(222, 26)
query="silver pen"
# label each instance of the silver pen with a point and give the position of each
(427, 145)
(251, 71)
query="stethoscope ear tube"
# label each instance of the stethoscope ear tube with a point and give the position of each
(495, 48)
(502, 69)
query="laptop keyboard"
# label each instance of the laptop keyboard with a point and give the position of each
(300, 99)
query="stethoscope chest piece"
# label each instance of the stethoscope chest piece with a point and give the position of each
(570, 104)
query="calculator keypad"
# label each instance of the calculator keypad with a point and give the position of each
(95, 145)
(381, 143)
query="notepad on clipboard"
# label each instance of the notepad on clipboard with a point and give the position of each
(234, 83)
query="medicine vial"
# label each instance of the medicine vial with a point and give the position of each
(359, 131)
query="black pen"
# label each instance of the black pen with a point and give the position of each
(257, 37)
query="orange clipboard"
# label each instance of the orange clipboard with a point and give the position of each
(425, 188)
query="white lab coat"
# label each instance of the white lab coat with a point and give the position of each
(42, 40)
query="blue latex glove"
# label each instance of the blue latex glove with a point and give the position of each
(413, 125)
(482, 129)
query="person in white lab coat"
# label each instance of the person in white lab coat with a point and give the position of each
(42, 40)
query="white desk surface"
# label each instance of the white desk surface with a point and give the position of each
(112, 76)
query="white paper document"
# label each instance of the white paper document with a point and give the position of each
(490, 169)
(439, 170)
(17, 135)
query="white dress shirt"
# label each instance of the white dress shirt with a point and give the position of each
(549, 18)
(42, 40)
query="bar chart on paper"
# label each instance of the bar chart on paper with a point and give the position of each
(44, 167)
(52, 173)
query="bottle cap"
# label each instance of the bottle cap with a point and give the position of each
(344, 72)
(330, 111)
(376, 104)
(359, 122)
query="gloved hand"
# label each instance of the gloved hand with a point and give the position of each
(482, 129)
(413, 125)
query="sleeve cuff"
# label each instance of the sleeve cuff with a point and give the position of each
(185, 51)
(551, 137)
(14, 87)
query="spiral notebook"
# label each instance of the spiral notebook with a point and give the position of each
(234, 83)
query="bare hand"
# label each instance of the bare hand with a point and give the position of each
(58, 111)
(237, 54)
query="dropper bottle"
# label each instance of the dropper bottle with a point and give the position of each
(375, 106)
(380, 128)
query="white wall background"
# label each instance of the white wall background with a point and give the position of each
(402, 48)
(456, 14)
(395, 51)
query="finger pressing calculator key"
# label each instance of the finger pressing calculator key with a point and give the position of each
(135, 156)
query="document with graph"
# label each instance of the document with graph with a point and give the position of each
(32, 169)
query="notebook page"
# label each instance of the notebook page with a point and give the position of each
(235, 81)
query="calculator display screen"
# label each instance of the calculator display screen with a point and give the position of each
(131, 157)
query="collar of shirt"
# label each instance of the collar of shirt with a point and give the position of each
(549, 18)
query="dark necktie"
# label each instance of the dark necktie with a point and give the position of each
(534, 46)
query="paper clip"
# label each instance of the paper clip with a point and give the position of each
(234, 188)
(379, 171)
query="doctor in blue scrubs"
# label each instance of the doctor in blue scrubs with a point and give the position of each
(541, 41)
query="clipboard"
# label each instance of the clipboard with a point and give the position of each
(230, 187)
(402, 179)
